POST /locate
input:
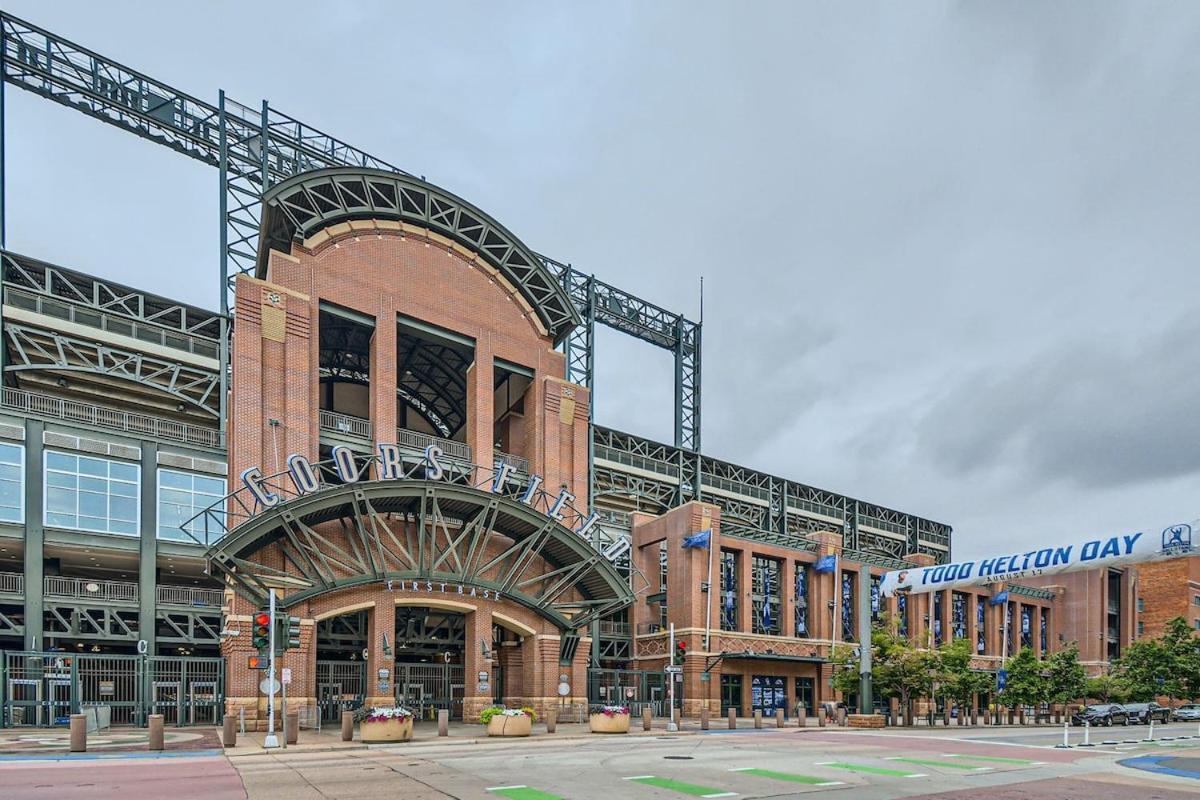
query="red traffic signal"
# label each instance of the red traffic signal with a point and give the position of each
(262, 630)
(680, 652)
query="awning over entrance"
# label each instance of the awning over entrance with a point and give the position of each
(428, 531)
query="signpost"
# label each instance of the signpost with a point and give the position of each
(271, 740)
(669, 669)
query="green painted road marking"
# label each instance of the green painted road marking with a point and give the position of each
(679, 786)
(925, 762)
(995, 759)
(895, 773)
(786, 776)
(522, 793)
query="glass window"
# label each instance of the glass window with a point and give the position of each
(729, 591)
(183, 495)
(765, 579)
(801, 599)
(91, 494)
(980, 624)
(848, 606)
(12, 483)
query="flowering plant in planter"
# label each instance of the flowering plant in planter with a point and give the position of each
(487, 714)
(385, 713)
(612, 711)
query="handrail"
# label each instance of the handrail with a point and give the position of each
(344, 424)
(89, 589)
(190, 596)
(12, 583)
(419, 441)
(111, 418)
(518, 463)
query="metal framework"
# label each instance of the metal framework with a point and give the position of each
(415, 529)
(256, 148)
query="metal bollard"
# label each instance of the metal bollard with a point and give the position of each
(732, 718)
(293, 727)
(443, 722)
(79, 733)
(758, 718)
(156, 731)
(551, 720)
(704, 718)
(229, 731)
(1150, 738)
(647, 718)
(1087, 735)
(347, 726)
(779, 718)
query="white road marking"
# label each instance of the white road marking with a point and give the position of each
(502, 788)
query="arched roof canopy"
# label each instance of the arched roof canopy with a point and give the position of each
(311, 201)
(461, 534)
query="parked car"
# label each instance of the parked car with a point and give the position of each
(1106, 714)
(1142, 713)
(1187, 713)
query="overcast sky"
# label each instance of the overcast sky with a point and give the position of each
(948, 248)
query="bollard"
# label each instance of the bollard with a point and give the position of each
(79, 733)
(347, 726)
(647, 718)
(732, 718)
(1087, 735)
(820, 719)
(443, 722)
(802, 718)
(758, 718)
(704, 718)
(841, 717)
(1066, 736)
(229, 731)
(156, 731)
(779, 718)
(551, 720)
(987, 717)
(293, 727)
(1021, 715)
(1150, 738)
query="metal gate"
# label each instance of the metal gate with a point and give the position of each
(41, 689)
(341, 686)
(632, 687)
(425, 688)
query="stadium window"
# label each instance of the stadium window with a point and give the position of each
(183, 495)
(91, 494)
(1141, 629)
(12, 483)
(1196, 600)
(1141, 604)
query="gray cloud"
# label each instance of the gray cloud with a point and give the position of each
(949, 248)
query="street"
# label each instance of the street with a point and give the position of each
(950, 763)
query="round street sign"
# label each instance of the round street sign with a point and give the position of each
(564, 689)
(268, 686)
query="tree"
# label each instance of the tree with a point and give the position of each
(902, 671)
(1066, 679)
(1145, 669)
(1181, 648)
(845, 669)
(959, 682)
(1026, 685)
(1105, 689)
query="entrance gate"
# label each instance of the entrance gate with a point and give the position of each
(425, 688)
(635, 688)
(341, 686)
(42, 689)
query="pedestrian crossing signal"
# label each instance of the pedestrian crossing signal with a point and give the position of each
(256, 662)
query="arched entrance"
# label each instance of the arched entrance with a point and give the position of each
(341, 663)
(471, 591)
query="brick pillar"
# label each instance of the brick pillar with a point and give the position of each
(787, 593)
(382, 620)
(480, 435)
(478, 633)
(383, 373)
(745, 581)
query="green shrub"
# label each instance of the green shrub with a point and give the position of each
(486, 715)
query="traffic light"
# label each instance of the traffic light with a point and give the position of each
(680, 653)
(289, 632)
(262, 631)
(256, 662)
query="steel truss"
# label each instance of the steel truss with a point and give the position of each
(415, 529)
(32, 349)
(256, 148)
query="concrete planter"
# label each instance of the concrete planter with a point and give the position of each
(501, 725)
(602, 723)
(391, 730)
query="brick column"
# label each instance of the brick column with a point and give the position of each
(383, 373)
(745, 609)
(480, 396)
(478, 624)
(382, 619)
(787, 595)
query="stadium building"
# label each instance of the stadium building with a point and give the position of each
(389, 424)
